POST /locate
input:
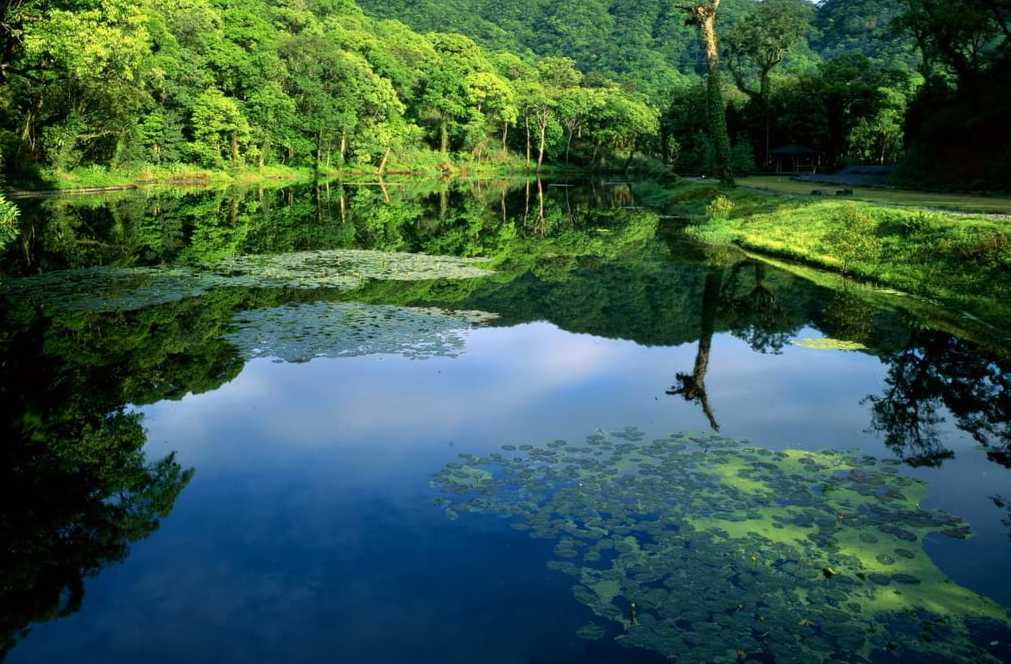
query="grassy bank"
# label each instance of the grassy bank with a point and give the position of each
(960, 261)
(938, 200)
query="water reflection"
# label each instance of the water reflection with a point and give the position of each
(585, 259)
(75, 488)
(934, 373)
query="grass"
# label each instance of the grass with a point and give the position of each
(940, 201)
(960, 261)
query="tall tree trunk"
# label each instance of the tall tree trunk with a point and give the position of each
(505, 138)
(319, 148)
(344, 145)
(528, 140)
(382, 164)
(443, 137)
(568, 144)
(703, 15)
(543, 126)
(631, 154)
(235, 146)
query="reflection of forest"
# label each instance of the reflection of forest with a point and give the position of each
(584, 258)
(75, 488)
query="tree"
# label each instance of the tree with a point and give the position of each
(761, 42)
(703, 16)
(218, 125)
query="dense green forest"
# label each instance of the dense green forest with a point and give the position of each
(247, 83)
(93, 86)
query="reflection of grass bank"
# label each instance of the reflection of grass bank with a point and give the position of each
(963, 262)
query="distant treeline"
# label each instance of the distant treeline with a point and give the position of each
(128, 85)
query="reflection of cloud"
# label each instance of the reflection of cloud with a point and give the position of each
(526, 383)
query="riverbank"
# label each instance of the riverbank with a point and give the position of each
(961, 261)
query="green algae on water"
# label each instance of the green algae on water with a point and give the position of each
(826, 343)
(723, 548)
(301, 332)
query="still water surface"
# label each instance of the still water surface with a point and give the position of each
(288, 456)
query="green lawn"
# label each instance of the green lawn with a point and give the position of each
(958, 202)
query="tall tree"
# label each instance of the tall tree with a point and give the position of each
(703, 16)
(760, 43)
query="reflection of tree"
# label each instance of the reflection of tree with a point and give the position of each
(75, 489)
(848, 316)
(693, 386)
(755, 314)
(748, 308)
(936, 371)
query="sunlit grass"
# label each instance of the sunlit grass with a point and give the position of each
(941, 201)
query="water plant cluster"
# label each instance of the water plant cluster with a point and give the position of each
(302, 332)
(706, 549)
(105, 289)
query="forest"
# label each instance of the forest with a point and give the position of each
(92, 87)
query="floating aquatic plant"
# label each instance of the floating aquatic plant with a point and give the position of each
(707, 550)
(826, 343)
(102, 289)
(298, 333)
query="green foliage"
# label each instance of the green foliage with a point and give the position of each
(961, 260)
(719, 208)
(853, 237)
(227, 85)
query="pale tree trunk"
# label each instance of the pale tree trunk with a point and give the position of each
(704, 15)
(527, 120)
(542, 126)
(505, 137)
(382, 164)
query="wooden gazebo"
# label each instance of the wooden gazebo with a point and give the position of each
(795, 158)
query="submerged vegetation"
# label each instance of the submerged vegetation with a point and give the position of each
(708, 550)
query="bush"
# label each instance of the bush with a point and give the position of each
(720, 207)
(8, 221)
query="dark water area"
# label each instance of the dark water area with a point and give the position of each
(268, 425)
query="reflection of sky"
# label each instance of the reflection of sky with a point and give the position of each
(309, 528)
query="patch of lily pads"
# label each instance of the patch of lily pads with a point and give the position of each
(709, 550)
(104, 289)
(301, 332)
(827, 343)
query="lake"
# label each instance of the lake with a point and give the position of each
(481, 421)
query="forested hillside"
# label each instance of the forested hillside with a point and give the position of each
(90, 87)
(645, 41)
(103, 84)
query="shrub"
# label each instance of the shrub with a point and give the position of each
(720, 207)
